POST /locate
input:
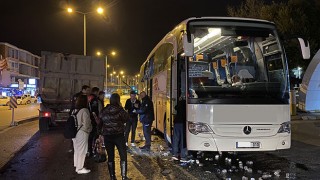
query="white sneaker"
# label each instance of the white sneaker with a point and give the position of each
(133, 145)
(175, 158)
(126, 144)
(83, 171)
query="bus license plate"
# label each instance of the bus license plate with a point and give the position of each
(248, 144)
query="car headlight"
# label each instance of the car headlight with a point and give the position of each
(285, 127)
(198, 127)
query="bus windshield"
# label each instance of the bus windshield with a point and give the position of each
(237, 65)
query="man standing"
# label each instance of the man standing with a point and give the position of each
(101, 101)
(179, 131)
(93, 108)
(132, 123)
(85, 90)
(146, 113)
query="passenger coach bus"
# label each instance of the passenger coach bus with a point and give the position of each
(234, 75)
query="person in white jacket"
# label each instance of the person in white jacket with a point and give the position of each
(80, 142)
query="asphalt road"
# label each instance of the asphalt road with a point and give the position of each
(46, 156)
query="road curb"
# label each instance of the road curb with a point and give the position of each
(22, 121)
(27, 120)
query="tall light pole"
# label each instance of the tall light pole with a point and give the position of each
(99, 11)
(113, 53)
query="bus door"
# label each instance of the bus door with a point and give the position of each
(174, 94)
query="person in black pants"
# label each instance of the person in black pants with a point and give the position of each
(111, 128)
(133, 121)
(179, 131)
(146, 113)
(93, 108)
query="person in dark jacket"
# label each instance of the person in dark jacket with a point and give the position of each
(112, 127)
(101, 100)
(133, 121)
(179, 131)
(85, 90)
(146, 113)
(93, 108)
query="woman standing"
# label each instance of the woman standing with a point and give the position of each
(113, 118)
(80, 142)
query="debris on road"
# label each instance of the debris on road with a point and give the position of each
(277, 172)
(166, 172)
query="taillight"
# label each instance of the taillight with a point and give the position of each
(45, 114)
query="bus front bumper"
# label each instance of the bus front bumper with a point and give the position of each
(210, 142)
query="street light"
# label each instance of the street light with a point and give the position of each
(99, 11)
(111, 77)
(113, 53)
(69, 10)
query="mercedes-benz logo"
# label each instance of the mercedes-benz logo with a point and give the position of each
(247, 130)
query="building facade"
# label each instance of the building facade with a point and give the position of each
(22, 72)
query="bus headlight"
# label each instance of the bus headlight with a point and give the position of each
(285, 127)
(197, 127)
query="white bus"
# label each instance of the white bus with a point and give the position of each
(234, 75)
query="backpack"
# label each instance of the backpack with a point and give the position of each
(71, 128)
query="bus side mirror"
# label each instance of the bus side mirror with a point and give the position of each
(188, 46)
(305, 49)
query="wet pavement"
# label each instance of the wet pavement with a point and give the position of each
(46, 156)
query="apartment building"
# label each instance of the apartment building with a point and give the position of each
(22, 70)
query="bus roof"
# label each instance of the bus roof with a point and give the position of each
(227, 18)
(182, 26)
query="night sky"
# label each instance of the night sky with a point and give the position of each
(130, 27)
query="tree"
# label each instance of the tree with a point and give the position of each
(294, 18)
